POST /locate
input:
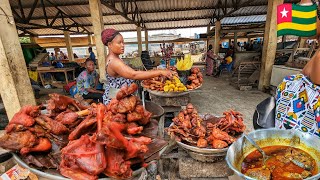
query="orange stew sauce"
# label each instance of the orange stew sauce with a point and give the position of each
(280, 165)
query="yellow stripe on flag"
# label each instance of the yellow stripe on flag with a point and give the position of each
(305, 15)
(300, 27)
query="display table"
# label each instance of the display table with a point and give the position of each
(56, 70)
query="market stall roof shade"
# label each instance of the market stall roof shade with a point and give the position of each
(38, 16)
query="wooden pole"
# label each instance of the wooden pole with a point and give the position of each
(146, 39)
(217, 37)
(69, 45)
(15, 86)
(235, 43)
(208, 35)
(269, 45)
(90, 40)
(139, 41)
(97, 23)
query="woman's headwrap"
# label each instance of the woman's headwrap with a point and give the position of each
(108, 35)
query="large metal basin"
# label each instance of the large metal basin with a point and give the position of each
(268, 137)
(156, 110)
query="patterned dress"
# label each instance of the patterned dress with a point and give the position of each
(86, 80)
(115, 82)
(298, 105)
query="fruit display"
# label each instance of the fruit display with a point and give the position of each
(207, 132)
(165, 84)
(184, 64)
(84, 142)
(195, 79)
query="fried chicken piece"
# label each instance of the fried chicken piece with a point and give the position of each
(146, 119)
(75, 172)
(58, 102)
(119, 118)
(219, 144)
(202, 143)
(127, 104)
(43, 145)
(221, 135)
(133, 128)
(137, 146)
(52, 126)
(82, 159)
(117, 167)
(24, 117)
(199, 131)
(67, 117)
(85, 126)
(18, 140)
(126, 91)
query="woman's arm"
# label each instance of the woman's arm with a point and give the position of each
(91, 90)
(121, 69)
(312, 68)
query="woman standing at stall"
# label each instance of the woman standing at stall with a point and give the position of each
(209, 61)
(118, 73)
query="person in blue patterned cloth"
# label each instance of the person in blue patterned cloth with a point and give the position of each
(118, 73)
(87, 82)
(298, 100)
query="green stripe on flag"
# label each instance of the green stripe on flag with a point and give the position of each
(296, 32)
(304, 8)
(304, 21)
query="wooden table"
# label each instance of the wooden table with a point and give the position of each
(55, 70)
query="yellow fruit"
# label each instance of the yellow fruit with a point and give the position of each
(176, 89)
(171, 90)
(172, 86)
(166, 88)
(185, 89)
(168, 82)
(181, 88)
(179, 84)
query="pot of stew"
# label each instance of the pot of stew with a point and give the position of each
(292, 155)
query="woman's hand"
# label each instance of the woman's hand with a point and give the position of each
(167, 73)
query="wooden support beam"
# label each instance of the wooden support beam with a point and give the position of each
(90, 40)
(217, 37)
(21, 10)
(44, 12)
(32, 10)
(242, 30)
(208, 35)
(68, 45)
(139, 40)
(235, 43)
(146, 39)
(15, 86)
(269, 44)
(151, 12)
(97, 22)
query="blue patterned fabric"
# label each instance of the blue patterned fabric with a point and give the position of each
(86, 80)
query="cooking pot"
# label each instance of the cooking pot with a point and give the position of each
(270, 137)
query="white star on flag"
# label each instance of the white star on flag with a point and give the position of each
(284, 13)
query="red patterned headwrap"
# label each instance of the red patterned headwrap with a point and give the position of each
(108, 35)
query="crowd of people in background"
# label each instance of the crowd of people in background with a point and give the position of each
(253, 45)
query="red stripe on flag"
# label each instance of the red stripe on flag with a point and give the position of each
(284, 13)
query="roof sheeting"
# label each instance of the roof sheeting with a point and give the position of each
(156, 14)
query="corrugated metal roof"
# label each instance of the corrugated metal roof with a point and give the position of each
(157, 14)
(243, 20)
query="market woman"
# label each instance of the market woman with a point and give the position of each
(298, 100)
(118, 73)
